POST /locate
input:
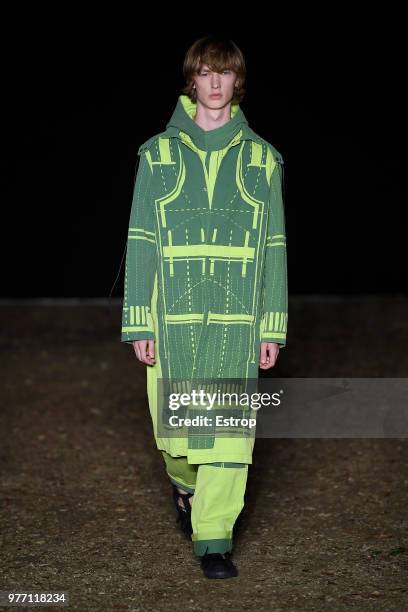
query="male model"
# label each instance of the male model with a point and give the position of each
(206, 280)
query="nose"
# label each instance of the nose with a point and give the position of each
(215, 81)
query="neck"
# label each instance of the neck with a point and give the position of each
(212, 118)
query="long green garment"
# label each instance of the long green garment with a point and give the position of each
(206, 268)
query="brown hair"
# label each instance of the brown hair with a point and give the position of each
(219, 54)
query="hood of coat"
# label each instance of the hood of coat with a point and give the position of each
(181, 123)
(206, 140)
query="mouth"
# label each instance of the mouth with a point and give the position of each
(215, 96)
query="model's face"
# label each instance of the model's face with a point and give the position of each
(214, 89)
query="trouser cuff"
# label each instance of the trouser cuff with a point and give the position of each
(212, 543)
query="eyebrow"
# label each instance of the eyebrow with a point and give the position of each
(209, 69)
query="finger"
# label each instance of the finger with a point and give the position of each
(137, 349)
(150, 360)
(273, 350)
(143, 349)
(151, 349)
(263, 355)
(148, 357)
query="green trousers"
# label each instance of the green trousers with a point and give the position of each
(219, 490)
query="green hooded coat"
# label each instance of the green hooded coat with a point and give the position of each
(206, 271)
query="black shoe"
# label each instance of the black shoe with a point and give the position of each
(183, 514)
(218, 565)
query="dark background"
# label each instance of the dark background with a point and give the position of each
(79, 97)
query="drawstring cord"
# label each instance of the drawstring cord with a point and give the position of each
(111, 315)
(124, 250)
(120, 268)
(282, 166)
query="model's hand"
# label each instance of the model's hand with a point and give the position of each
(144, 350)
(269, 354)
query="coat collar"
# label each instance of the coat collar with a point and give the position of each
(247, 133)
(181, 121)
(173, 132)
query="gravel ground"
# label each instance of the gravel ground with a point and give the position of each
(86, 504)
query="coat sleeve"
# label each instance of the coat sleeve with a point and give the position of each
(141, 259)
(275, 286)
